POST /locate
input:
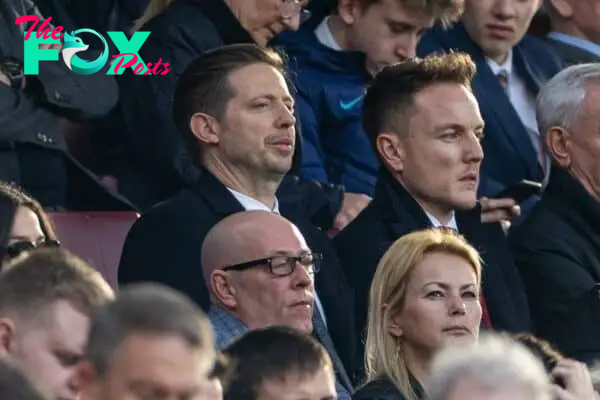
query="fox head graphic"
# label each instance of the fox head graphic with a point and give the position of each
(73, 45)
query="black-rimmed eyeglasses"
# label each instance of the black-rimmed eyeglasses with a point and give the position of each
(16, 248)
(281, 265)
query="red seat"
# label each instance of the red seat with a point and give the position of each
(96, 237)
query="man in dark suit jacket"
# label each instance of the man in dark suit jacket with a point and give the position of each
(153, 159)
(511, 67)
(557, 248)
(431, 170)
(575, 33)
(236, 116)
(33, 112)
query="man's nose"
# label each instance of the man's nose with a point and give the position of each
(407, 48)
(473, 149)
(504, 9)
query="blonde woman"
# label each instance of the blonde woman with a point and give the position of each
(424, 296)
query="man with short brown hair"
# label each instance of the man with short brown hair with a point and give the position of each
(423, 121)
(46, 301)
(333, 59)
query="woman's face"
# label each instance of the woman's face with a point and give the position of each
(441, 305)
(26, 227)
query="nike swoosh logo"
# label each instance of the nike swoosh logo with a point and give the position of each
(349, 105)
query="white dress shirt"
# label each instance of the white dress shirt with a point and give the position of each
(436, 223)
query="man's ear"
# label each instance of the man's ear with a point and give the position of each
(222, 289)
(562, 8)
(391, 150)
(348, 10)
(558, 142)
(205, 128)
(7, 336)
(84, 379)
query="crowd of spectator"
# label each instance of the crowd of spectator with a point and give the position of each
(338, 199)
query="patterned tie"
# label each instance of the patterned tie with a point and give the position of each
(343, 383)
(502, 77)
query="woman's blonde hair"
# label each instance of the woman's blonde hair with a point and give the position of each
(383, 353)
(154, 8)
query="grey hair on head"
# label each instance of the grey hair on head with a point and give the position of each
(495, 362)
(560, 99)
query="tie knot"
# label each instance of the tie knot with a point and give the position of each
(502, 77)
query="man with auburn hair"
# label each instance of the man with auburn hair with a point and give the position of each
(424, 123)
(333, 60)
(151, 342)
(47, 297)
(280, 363)
(511, 68)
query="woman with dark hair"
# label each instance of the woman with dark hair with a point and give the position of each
(23, 223)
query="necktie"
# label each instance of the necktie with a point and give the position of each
(502, 77)
(322, 334)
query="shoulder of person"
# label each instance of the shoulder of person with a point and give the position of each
(379, 389)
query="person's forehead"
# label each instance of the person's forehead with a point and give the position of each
(61, 326)
(258, 79)
(445, 103)
(294, 386)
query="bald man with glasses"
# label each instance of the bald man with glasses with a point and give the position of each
(260, 273)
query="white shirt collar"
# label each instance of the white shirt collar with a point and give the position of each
(251, 204)
(436, 223)
(324, 35)
(506, 66)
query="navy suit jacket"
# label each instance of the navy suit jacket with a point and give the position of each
(509, 154)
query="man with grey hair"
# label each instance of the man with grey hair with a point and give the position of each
(151, 342)
(496, 368)
(575, 32)
(557, 249)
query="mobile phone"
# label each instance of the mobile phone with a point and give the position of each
(521, 191)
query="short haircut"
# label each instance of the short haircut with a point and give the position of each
(274, 353)
(446, 11)
(42, 277)
(493, 363)
(14, 385)
(559, 101)
(145, 309)
(204, 86)
(392, 91)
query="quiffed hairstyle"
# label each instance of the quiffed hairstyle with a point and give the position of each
(392, 91)
(11, 198)
(204, 86)
(274, 353)
(147, 309)
(14, 385)
(42, 277)
(384, 356)
(446, 11)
